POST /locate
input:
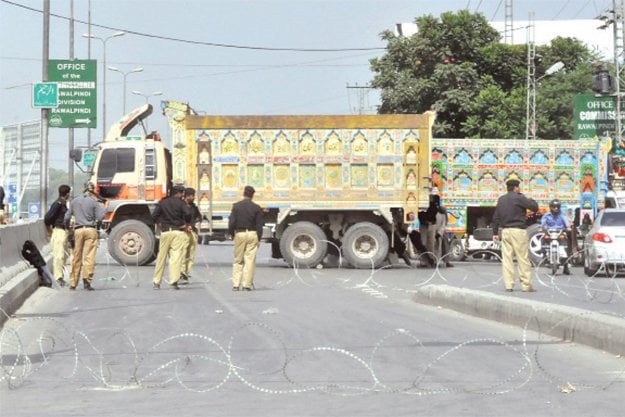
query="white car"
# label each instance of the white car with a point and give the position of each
(604, 245)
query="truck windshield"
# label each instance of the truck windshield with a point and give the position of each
(114, 161)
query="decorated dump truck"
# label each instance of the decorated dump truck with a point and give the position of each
(471, 175)
(325, 183)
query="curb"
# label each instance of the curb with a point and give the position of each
(573, 324)
(16, 291)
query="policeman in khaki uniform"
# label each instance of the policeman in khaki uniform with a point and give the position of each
(173, 216)
(55, 219)
(189, 251)
(87, 210)
(246, 225)
(509, 227)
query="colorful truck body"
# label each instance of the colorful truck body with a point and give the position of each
(471, 175)
(324, 182)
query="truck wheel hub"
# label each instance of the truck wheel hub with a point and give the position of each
(131, 243)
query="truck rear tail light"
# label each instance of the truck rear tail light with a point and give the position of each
(601, 237)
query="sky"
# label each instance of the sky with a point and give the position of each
(230, 57)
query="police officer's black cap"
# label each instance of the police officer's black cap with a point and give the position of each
(178, 188)
(513, 183)
(189, 191)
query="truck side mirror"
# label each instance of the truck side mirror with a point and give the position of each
(75, 155)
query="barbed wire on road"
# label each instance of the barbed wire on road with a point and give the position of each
(113, 359)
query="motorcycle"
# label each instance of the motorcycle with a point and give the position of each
(556, 243)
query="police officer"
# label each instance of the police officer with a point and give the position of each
(55, 219)
(509, 221)
(173, 216)
(87, 210)
(246, 225)
(189, 251)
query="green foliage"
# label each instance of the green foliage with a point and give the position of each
(457, 66)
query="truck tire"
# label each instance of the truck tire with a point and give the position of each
(365, 245)
(535, 239)
(303, 245)
(131, 242)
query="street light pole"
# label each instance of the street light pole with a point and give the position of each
(124, 75)
(147, 96)
(103, 40)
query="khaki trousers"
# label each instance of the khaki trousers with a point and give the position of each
(172, 243)
(514, 242)
(85, 247)
(57, 242)
(189, 252)
(243, 265)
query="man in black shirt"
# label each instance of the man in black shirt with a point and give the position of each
(510, 219)
(246, 225)
(191, 235)
(173, 216)
(55, 219)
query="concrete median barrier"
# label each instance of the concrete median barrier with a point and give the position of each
(19, 279)
(593, 329)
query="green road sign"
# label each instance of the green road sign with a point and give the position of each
(77, 93)
(45, 95)
(594, 116)
(88, 158)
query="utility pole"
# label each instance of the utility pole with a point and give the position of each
(43, 166)
(363, 98)
(530, 113)
(509, 20)
(70, 132)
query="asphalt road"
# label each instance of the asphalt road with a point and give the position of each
(329, 341)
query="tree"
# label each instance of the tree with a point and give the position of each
(456, 66)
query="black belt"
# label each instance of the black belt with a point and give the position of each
(514, 227)
(59, 227)
(244, 230)
(80, 227)
(171, 229)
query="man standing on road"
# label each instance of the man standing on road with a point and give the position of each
(55, 218)
(246, 225)
(173, 216)
(87, 210)
(510, 217)
(189, 251)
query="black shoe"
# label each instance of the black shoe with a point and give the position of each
(156, 286)
(247, 289)
(72, 288)
(175, 286)
(530, 289)
(235, 288)
(508, 289)
(449, 265)
(566, 270)
(60, 282)
(88, 287)
(184, 276)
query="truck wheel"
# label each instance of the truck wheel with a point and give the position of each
(456, 251)
(303, 244)
(535, 243)
(131, 242)
(365, 245)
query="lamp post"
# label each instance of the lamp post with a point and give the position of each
(124, 75)
(147, 96)
(103, 40)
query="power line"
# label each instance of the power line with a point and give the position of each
(561, 10)
(193, 42)
(496, 10)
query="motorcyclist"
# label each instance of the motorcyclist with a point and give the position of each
(554, 219)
